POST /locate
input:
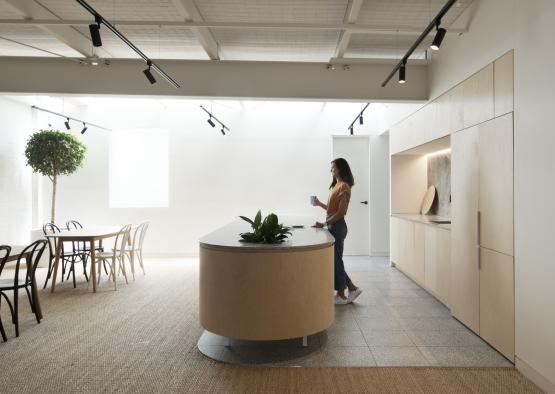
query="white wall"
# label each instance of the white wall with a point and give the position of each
(276, 155)
(15, 177)
(528, 27)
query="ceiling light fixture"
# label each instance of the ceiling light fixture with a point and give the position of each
(351, 127)
(94, 29)
(101, 20)
(84, 128)
(148, 74)
(433, 23)
(212, 123)
(68, 118)
(440, 35)
(402, 74)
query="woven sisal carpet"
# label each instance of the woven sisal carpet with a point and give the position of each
(143, 337)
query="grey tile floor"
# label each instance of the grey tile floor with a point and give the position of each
(393, 323)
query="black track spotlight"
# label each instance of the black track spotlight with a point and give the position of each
(438, 39)
(148, 74)
(84, 128)
(360, 119)
(67, 124)
(211, 122)
(402, 72)
(351, 129)
(95, 31)
(223, 131)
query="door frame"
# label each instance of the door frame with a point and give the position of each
(367, 138)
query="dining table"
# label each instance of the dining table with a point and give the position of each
(15, 253)
(88, 235)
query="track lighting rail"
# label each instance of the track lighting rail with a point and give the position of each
(358, 117)
(68, 118)
(100, 20)
(211, 123)
(434, 23)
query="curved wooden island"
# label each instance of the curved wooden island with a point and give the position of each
(266, 292)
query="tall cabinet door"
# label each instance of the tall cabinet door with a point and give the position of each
(464, 296)
(497, 303)
(497, 317)
(496, 184)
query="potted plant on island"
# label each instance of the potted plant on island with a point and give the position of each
(53, 153)
(267, 231)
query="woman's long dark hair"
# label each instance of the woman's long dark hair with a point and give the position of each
(344, 172)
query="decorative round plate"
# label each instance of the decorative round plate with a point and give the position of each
(428, 200)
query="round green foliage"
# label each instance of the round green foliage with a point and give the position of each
(265, 231)
(52, 153)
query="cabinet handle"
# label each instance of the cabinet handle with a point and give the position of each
(478, 233)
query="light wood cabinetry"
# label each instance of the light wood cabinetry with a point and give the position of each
(503, 85)
(465, 277)
(394, 239)
(438, 267)
(482, 282)
(406, 246)
(497, 313)
(419, 256)
(478, 97)
(496, 184)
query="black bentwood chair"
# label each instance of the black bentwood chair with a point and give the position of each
(66, 257)
(30, 256)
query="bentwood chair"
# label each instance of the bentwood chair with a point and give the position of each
(116, 257)
(4, 254)
(30, 256)
(66, 257)
(136, 248)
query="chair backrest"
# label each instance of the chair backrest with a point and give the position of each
(31, 256)
(139, 235)
(73, 225)
(143, 233)
(121, 240)
(4, 254)
(51, 228)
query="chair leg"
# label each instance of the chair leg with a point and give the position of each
(132, 255)
(122, 266)
(15, 308)
(114, 272)
(32, 303)
(73, 272)
(100, 268)
(4, 337)
(140, 254)
(49, 273)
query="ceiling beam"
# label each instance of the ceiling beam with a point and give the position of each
(190, 12)
(353, 28)
(210, 79)
(67, 34)
(351, 16)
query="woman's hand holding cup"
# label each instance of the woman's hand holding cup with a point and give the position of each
(314, 201)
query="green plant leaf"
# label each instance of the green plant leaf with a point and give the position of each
(258, 219)
(246, 219)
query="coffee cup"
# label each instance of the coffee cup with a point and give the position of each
(313, 200)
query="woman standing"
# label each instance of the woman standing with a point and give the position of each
(336, 209)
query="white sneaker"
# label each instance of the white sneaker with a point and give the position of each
(340, 301)
(353, 295)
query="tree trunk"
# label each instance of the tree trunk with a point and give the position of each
(53, 211)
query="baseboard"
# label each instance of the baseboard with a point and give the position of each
(379, 254)
(541, 381)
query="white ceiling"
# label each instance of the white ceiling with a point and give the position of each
(284, 30)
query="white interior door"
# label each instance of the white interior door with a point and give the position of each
(355, 150)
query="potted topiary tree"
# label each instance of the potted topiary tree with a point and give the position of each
(53, 153)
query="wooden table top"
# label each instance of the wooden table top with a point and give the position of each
(87, 233)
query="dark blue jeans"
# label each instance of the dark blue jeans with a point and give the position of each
(339, 232)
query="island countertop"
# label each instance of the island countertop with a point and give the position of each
(227, 237)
